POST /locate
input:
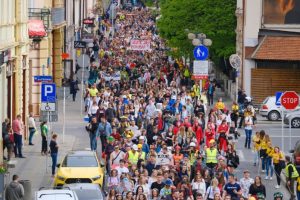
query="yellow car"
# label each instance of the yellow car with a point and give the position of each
(80, 167)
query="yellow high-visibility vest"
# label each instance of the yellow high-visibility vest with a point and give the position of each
(295, 173)
(211, 156)
(133, 157)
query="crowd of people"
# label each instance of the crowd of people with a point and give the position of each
(162, 135)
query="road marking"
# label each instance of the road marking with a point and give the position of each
(278, 136)
(241, 156)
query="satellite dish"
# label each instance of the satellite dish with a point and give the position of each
(235, 61)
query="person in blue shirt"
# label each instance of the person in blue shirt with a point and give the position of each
(104, 131)
(232, 188)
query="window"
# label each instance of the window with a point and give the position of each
(80, 161)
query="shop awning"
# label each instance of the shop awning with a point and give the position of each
(285, 48)
(36, 28)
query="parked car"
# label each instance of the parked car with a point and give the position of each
(55, 194)
(270, 110)
(294, 117)
(86, 191)
(80, 167)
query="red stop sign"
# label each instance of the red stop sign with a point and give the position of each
(290, 100)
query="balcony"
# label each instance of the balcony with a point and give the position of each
(58, 17)
(41, 14)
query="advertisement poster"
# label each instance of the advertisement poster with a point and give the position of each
(281, 12)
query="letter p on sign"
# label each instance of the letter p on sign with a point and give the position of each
(48, 93)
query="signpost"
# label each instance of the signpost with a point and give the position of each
(201, 52)
(278, 96)
(83, 61)
(79, 44)
(49, 107)
(290, 101)
(48, 94)
(38, 79)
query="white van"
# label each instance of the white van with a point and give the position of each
(63, 194)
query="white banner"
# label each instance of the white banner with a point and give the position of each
(140, 45)
(163, 159)
(107, 77)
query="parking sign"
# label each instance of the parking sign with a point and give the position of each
(48, 93)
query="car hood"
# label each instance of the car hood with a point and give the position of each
(80, 172)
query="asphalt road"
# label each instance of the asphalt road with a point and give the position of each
(246, 155)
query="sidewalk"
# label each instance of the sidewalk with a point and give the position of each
(37, 168)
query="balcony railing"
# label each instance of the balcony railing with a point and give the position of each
(57, 16)
(42, 14)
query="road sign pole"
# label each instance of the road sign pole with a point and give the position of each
(64, 116)
(282, 132)
(81, 98)
(237, 86)
(48, 117)
(290, 132)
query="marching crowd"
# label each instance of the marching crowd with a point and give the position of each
(162, 135)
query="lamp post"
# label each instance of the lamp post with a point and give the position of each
(197, 40)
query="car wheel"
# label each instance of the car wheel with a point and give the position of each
(295, 123)
(273, 116)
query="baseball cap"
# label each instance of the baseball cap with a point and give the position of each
(211, 141)
(192, 144)
(134, 147)
(168, 182)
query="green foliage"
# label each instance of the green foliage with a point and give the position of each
(215, 18)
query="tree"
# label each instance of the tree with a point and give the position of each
(215, 18)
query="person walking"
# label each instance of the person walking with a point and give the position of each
(18, 127)
(32, 127)
(278, 162)
(44, 134)
(53, 152)
(210, 93)
(92, 128)
(248, 129)
(291, 174)
(15, 190)
(74, 87)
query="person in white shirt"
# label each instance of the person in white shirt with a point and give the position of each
(32, 127)
(122, 169)
(198, 185)
(245, 184)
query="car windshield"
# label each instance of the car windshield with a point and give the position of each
(89, 194)
(80, 161)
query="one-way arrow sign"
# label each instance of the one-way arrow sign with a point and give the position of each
(79, 44)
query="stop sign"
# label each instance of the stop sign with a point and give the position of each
(290, 100)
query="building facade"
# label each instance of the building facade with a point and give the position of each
(269, 43)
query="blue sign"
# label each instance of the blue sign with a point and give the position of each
(48, 92)
(278, 95)
(201, 52)
(42, 79)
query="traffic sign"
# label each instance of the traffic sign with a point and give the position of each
(289, 100)
(201, 52)
(48, 93)
(83, 60)
(200, 69)
(38, 79)
(79, 44)
(48, 107)
(278, 96)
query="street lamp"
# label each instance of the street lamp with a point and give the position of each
(197, 40)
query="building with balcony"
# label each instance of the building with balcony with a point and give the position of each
(14, 63)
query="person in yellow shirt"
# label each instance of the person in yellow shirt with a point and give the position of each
(256, 147)
(278, 160)
(268, 158)
(220, 105)
(93, 90)
(235, 113)
(196, 90)
(263, 149)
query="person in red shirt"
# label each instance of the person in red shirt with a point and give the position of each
(197, 128)
(116, 135)
(186, 123)
(223, 131)
(18, 127)
(209, 134)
